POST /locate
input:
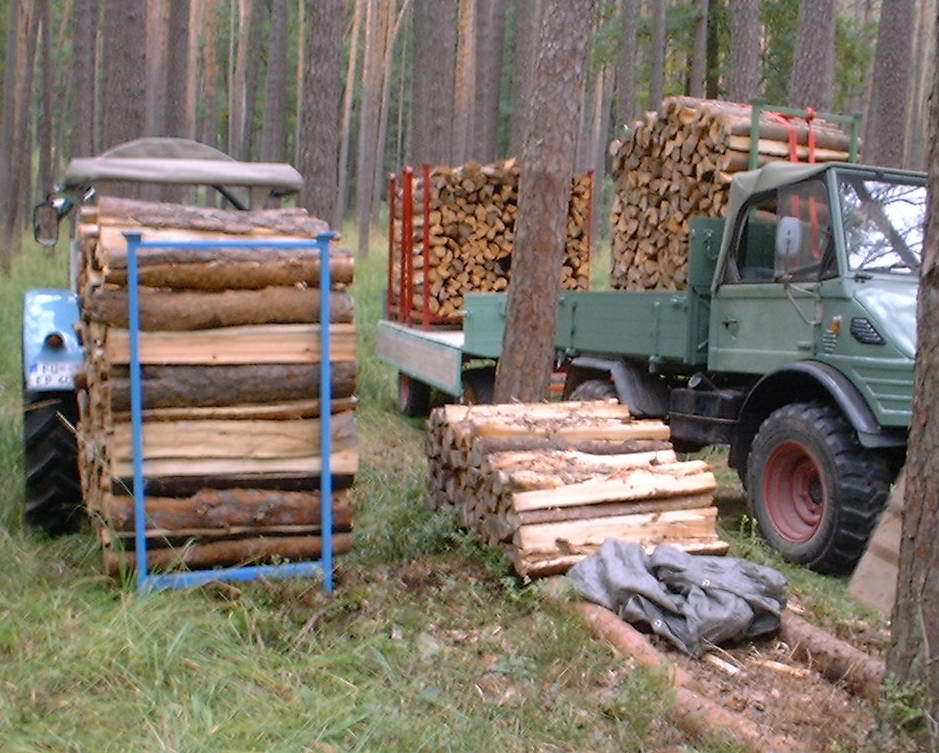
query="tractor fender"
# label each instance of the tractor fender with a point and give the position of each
(802, 382)
(644, 393)
(47, 368)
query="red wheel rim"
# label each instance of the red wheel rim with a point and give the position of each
(793, 493)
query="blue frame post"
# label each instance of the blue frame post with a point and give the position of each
(147, 582)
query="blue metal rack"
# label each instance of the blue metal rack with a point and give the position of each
(324, 565)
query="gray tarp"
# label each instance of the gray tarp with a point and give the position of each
(691, 600)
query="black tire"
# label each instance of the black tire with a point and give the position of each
(813, 490)
(413, 396)
(594, 389)
(479, 386)
(53, 490)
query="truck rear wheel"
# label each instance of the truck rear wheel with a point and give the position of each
(413, 396)
(53, 491)
(594, 389)
(814, 491)
(479, 386)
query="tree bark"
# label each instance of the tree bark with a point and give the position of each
(813, 71)
(177, 70)
(238, 79)
(717, 11)
(464, 85)
(524, 370)
(657, 54)
(744, 63)
(252, 76)
(527, 25)
(124, 76)
(7, 123)
(209, 130)
(85, 25)
(155, 56)
(346, 127)
(626, 71)
(696, 80)
(915, 622)
(490, 44)
(272, 135)
(434, 72)
(365, 164)
(45, 112)
(883, 131)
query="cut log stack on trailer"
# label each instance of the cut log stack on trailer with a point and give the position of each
(678, 163)
(468, 223)
(550, 482)
(229, 352)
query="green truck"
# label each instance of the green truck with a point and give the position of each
(793, 345)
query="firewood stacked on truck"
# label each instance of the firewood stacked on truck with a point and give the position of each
(550, 482)
(229, 352)
(677, 164)
(471, 224)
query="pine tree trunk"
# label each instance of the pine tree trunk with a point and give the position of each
(176, 72)
(626, 72)
(697, 74)
(238, 79)
(45, 112)
(813, 70)
(155, 56)
(346, 127)
(318, 134)
(7, 118)
(123, 92)
(365, 165)
(527, 25)
(915, 622)
(21, 156)
(272, 135)
(601, 130)
(524, 370)
(490, 43)
(657, 55)
(84, 80)
(196, 22)
(434, 74)
(63, 94)
(744, 63)
(464, 84)
(886, 115)
(253, 77)
(712, 80)
(209, 130)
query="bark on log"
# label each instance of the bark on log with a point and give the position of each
(223, 274)
(151, 214)
(202, 386)
(227, 509)
(239, 551)
(187, 486)
(179, 311)
(488, 446)
(252, 412)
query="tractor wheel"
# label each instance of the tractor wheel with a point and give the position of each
(53, 490)
(413, 396)
(814, 491)
(479, 386)
(594, 389)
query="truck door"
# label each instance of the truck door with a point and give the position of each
(765, 310)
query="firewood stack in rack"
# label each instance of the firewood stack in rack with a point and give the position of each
(550, 482)
(229, 351)
(678, 163)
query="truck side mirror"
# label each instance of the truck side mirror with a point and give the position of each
(46, 223)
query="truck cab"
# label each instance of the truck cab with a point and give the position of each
(52, 353)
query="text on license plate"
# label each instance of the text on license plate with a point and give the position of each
(45, 375)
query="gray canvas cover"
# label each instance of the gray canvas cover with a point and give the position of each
(690, 600)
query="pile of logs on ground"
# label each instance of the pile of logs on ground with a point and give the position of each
(230, 356)
(550, 482)
(677, 164)
(470, 233)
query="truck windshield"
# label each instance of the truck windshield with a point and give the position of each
(884, 222)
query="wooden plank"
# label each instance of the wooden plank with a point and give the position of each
(273, 343)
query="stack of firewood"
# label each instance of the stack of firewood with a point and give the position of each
(677, 164)
(230, 353)
(471, 229)
(550, 482)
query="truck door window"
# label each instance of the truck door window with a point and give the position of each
(806, 202)
(753, 257)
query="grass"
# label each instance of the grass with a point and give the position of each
(429, 643)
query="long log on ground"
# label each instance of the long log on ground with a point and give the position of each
(151, 214)
(271, 343)
(254, 412)
(837, 660)
(589, 512)
(488, 446)
(187, 486)
(555, 563)
(224, 274)
(559, 461)
(273, 439)
(589, 430)
(204, 386)
(227, 509)
(239, 551)
(344, 462)
(690, 711)
(170, 310)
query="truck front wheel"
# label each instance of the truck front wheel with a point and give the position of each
(594, 389)
(814, 491)
(413, 396)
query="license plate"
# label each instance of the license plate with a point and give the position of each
(46, 376)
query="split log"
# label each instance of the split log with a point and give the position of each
(239, 551)
(272, 343)
(226, 510)
(611, 509)
(344, 462)
(170, 310)
(203, 386)
(490, 445)
(282, 411)
(187, 486)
